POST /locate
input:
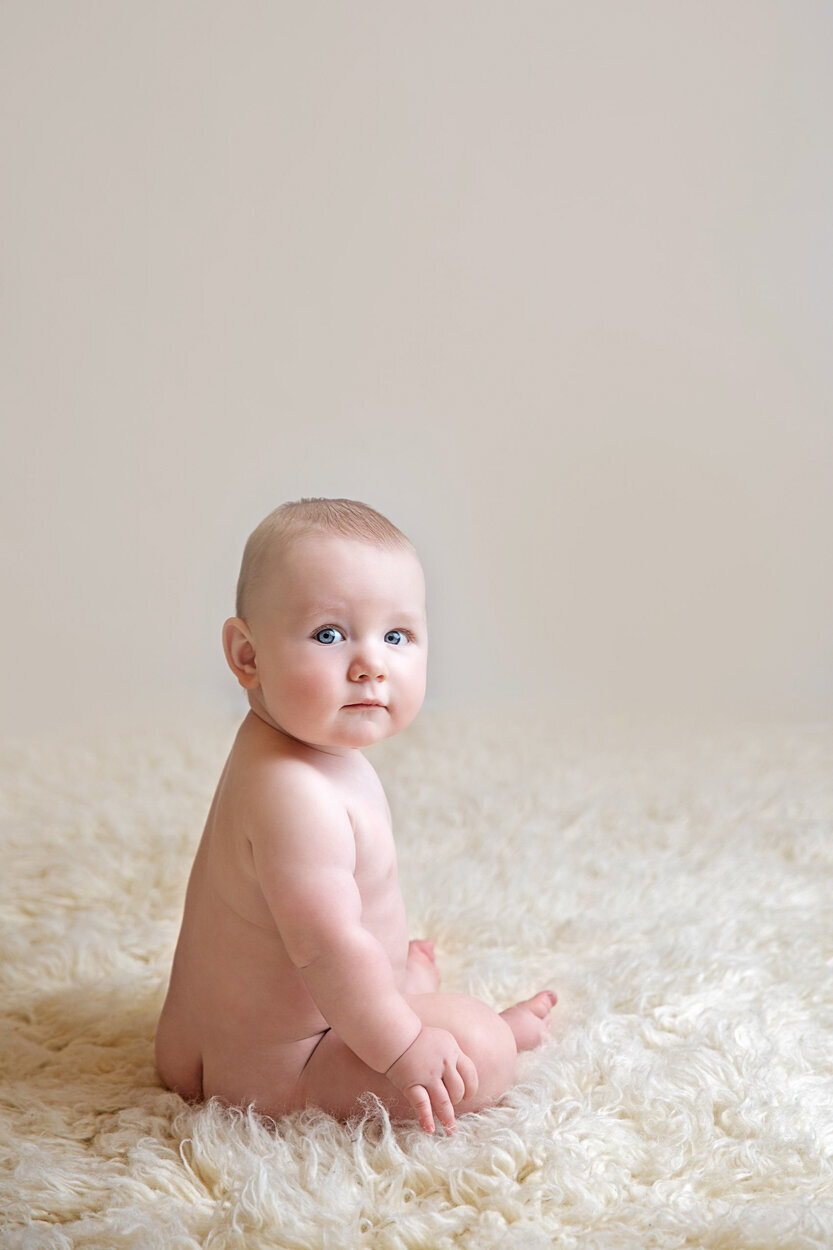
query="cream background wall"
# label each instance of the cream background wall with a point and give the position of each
(548, 283)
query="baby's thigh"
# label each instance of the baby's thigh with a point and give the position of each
(335, 1078)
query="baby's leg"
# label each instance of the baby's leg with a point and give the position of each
(530, 1020)
(422, 976)
(334, 1077)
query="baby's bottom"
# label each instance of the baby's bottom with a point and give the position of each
(334, 1077)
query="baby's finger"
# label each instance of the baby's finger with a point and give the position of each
(455, 1085)
(417, 1096)
(468, 1072)
(442, 1107)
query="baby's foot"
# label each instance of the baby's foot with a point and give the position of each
(530, 1020)
(422, 976)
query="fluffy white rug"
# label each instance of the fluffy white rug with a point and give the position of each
(676, 893)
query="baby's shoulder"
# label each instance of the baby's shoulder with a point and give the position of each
(276, 787)
(281, 775)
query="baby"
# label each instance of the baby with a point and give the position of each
(294, 982)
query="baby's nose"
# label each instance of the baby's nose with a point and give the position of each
(366, 667)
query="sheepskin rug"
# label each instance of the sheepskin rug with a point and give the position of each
(675, 889)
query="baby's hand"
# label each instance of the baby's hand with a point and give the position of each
(433, 1074)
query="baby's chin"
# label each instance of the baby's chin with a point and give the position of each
(358, 727)
(350, 735)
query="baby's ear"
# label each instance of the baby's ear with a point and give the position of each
(240, 652)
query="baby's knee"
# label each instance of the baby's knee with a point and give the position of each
(481, 1034)
(490, 1044)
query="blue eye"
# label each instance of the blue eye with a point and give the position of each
(395, 637)
(329, 635)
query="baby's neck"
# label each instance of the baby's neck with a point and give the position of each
(259, 716)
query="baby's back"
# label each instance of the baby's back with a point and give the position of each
(231, 978)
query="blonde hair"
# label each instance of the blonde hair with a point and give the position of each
(346, 517)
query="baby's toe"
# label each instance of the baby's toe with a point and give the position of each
(542, 1004)
(423, 947)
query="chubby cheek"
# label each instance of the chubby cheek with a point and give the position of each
(412, 692)
(310, 686)
(301, 684)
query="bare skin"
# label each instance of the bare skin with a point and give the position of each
(294, 982)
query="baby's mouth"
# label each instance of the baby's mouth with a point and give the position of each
(366, 703)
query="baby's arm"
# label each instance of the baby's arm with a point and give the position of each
(304, 855)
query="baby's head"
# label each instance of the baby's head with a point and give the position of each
(344, 518)
(330, 638)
